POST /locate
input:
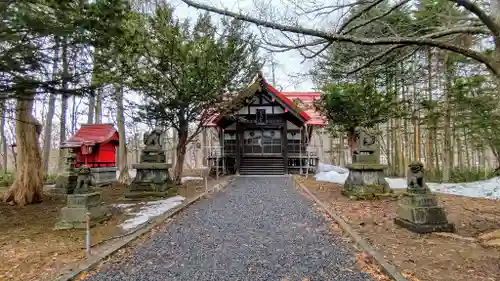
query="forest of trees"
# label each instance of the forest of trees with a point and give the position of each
(424, 74)
(106, 52)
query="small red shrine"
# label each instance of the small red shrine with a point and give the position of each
(94, 145)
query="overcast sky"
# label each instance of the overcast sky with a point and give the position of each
(290, 67)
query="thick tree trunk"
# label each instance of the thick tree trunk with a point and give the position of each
(47, 136)
(3, 143)
(182, 136)
(124, 177)
(28, 185)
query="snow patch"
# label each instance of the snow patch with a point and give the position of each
(187, 178)
(133, 173)
(479, 189)
(148, 211)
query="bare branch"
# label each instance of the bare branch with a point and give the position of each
(486, 19)
(397, 6)
(359, 14)
(334, 37)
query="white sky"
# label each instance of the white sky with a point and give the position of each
(290, 67)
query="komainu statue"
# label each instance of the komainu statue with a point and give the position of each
(83, 181)
(154, 139)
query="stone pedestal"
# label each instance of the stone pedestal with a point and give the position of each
(365, 181)
(65, 183)
(103, 176)
(153, 155)
(152, 179)
(420, 213)
(66, 179)
(77, 207)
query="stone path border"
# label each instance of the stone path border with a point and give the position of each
(386, 267)
(98, 255)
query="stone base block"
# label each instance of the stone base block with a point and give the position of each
(365, 181)
(103, 176)
(65, 183)
(363, 192)
(421, 200)
(74, 215)
(425, 228)
(151, 178)
(422, 215)
(87, 199)
(153, 156)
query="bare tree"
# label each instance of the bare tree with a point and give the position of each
(64, 101)
(124, 177)
(47, 136)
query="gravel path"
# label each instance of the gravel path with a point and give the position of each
(259, 228)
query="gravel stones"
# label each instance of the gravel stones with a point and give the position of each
(259, 228)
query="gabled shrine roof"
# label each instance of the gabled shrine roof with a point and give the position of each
(308, 99)
(92, 134)
(308, 114)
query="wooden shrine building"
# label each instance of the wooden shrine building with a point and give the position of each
(95, 145)
(264, 131)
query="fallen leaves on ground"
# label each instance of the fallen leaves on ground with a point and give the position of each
(429, 257)
(31, 248)
(365, 262)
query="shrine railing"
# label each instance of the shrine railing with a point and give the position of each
(96, 164)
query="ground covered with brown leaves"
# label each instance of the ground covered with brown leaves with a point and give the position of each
(32, 250)
(428, 257)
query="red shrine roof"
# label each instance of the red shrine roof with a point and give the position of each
(91, 134)
(306, 109)
(308, 99)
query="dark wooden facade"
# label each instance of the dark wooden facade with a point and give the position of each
(263, 129)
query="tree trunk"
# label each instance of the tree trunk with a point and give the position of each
(74, 114)
(3, 109)
(204, 137)
(182, 136)
(416, 121)
(341, 156)
(460, 159)
(429, 131)
(495, 11)
(90, 113)
(173, 152)
(124, 177)
(28, 184)
(447, 142)
(98, 106)
(64, 102)
(47, 136)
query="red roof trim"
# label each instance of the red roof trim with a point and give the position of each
(92, 134)
(285, 100)
(310, 116)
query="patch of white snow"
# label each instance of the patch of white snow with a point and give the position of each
(150, 210)
(480, 189)
(187, 178)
